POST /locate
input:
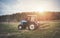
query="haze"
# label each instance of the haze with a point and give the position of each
(15, 6)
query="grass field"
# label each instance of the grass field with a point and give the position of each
(49, 29)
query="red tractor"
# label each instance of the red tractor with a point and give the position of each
(30, 23)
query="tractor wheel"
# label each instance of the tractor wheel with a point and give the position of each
(20, 27)
(32, 27)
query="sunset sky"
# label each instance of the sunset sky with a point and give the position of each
(14, 6)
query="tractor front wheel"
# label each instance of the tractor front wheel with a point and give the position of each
(20, 27)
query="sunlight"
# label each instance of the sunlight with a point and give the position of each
(41, 11)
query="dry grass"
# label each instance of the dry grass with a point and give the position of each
(46, 30)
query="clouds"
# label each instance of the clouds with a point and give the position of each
(8, 2)
(14, 6)
(7, 7)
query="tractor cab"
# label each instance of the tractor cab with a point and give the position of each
(32, 18)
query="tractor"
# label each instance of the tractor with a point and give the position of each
(30, 23)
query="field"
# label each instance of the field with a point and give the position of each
(47, 29)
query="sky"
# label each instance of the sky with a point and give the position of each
(15, 6)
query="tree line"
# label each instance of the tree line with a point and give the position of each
(19, 16)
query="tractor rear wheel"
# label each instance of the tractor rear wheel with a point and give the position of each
(32, 26)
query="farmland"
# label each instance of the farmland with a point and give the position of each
(47, 29)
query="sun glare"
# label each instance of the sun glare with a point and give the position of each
(41, 11)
